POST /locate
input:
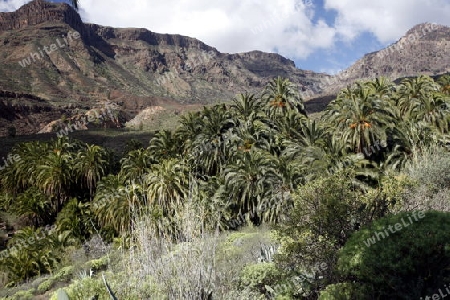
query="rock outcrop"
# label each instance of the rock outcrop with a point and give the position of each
(39, 11)
(424, 49)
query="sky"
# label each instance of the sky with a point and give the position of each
(319, 35)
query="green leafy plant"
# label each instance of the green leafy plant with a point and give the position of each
(413, 260)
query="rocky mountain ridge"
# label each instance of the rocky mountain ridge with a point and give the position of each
(133, 67)
(423, 50)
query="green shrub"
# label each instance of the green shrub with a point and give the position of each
(409, 263)
(30, 252)
(326, 212)
(64, 274)
(99, 264)
(74, 219)
(86, 288)
(45, 286)
(340, 291)
(23, 295)
(258, 276)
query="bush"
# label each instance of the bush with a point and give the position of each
(86, 288)
(99, 264)
(411, 263)
(431, 174)
(64, 274)
(45, 286)
(340, 291)
(258, 276)
(30, 252)
(23, 295)
(74, 219)
(326, 212)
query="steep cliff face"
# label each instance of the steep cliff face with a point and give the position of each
(38, 12)
(135, 61)
(422, 50)
(25, 112)
(189, 70)
(133, 67)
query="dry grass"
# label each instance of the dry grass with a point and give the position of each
(195, 264)
(430, 170)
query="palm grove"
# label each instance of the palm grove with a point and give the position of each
(323, 185)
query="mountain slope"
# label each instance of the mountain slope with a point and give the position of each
(90, 64)
(47, 51)
(423, 50)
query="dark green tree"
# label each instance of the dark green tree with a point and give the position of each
(410, 263)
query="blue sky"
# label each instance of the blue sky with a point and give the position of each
(319, 35)
(343, 53)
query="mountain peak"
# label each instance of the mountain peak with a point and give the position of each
(422, 50)
(424, 28)
(40, 11)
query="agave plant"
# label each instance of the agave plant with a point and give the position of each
(62, 295)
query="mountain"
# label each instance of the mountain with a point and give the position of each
(422, 50)
(49, 53)
(52, 65)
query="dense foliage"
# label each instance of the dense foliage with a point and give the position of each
(258, 160)
(412, 260)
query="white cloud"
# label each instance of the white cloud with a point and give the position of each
(11, 5)
(230, 26)
(388, 20)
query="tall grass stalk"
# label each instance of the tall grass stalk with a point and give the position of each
(177, 255)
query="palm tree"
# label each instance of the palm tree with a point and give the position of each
(167, 186)
(407, 137)
(133, 144)
(26, 260)
(54, 176)
(411, 90)
(22, 174)
(311, 134)
(190, 127)
(359, 116)
(291, 173)
(290, 125)
(75, 220)
(246, 136)
(444, 82)
(208, 153)
(250, 181)
(382, 87)
(280, 95)
(335, 156)
(136, 164)
(34, 206)
(91, 164)
(433, 109)
(115, 202)
(208, 195)
(164, 145)
(246, 107)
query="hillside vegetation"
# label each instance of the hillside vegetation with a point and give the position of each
(247, 200)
